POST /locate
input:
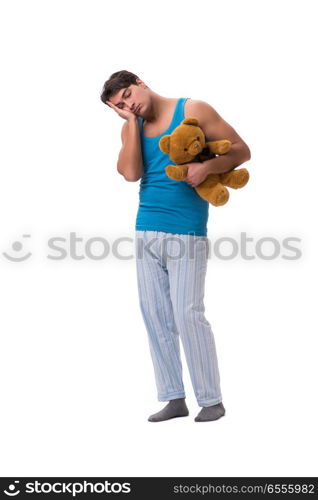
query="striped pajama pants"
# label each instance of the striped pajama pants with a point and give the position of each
(171, 270)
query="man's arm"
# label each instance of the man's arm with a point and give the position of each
(130, 163)
(215, 128)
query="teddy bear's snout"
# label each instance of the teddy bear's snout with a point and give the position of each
(195, 148)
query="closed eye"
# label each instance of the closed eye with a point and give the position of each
(125, 95)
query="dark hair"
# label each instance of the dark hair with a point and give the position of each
(116, 82)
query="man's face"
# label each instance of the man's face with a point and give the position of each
(134, 98)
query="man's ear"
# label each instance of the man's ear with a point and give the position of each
(164, 144)
(140, 83)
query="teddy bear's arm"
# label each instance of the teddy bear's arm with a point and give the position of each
(177, 172)
(219, 147)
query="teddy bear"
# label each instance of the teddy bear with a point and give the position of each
(186, 144)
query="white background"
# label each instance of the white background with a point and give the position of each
(77, 383)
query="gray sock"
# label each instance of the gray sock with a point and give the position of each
(175, 408)
(209, 413)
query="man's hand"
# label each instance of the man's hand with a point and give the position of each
(197, 173)
(127, 115)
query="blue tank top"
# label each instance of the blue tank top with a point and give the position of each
(164, 204)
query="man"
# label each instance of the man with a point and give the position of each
(171, 225)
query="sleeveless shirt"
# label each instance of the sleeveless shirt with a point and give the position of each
(164, 204)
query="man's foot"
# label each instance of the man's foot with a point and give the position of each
(209, 413)
(175, 408)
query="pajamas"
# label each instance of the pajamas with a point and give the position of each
(171, 270)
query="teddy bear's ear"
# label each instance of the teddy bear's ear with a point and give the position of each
(164, 144)
(191, 121)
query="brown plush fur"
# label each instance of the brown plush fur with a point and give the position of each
(187, 144)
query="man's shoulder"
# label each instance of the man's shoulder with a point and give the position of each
(199, 109)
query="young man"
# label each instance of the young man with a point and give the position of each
(172, 227)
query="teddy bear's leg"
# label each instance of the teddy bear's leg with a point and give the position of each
(176, 172)
(219, 147)
(210, 181)
(217, 195)
(236, 178)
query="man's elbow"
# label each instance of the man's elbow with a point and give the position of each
(129, 176)
(242, 154)
(246, 153)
